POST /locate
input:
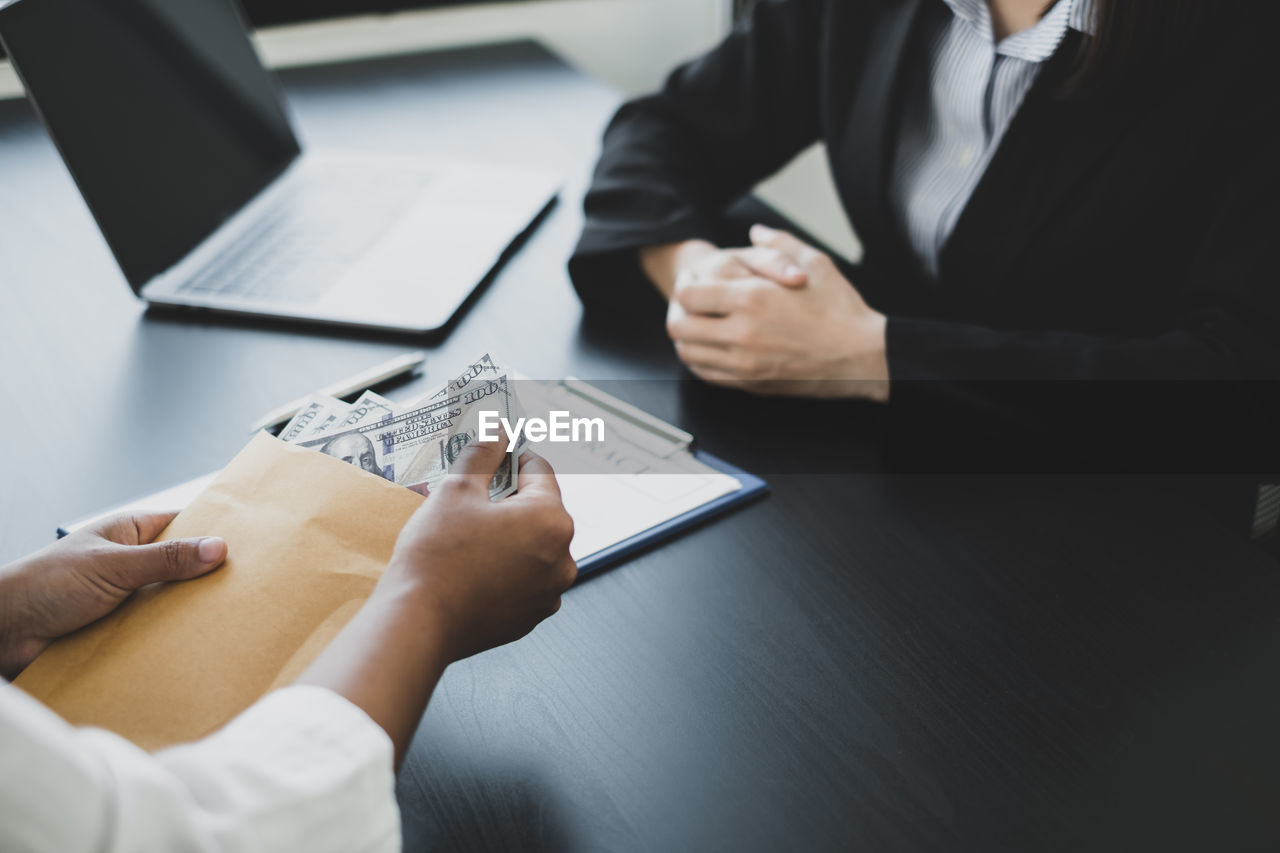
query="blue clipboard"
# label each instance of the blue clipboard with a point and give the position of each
(752, 487)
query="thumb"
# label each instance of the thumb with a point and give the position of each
(801, 252)
(774, 264)
(172, 560)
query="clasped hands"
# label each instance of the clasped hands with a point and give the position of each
(776, 317)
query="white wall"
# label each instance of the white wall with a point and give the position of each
(630, 43)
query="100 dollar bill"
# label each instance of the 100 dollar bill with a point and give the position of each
(420, 445)
(316, 414)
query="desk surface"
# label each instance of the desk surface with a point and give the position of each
(883, 661)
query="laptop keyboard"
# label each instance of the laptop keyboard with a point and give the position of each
(318, 225)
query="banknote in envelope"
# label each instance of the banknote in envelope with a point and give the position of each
(416, 444)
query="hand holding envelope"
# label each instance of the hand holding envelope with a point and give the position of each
(308, 540)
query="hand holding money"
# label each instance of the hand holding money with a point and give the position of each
(417, 444)
(515, 554)
(467, 574)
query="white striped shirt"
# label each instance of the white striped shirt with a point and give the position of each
(958, 109)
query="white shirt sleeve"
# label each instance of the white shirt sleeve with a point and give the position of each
(302, 769)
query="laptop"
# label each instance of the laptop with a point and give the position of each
(179, 141)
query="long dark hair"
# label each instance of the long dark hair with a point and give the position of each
(1134, 39)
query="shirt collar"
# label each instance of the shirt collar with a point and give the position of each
(1036, 43)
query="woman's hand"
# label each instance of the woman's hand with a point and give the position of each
(668, 263)
(777, 318)
(85, 576)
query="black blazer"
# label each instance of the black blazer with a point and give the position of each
(1114, 236)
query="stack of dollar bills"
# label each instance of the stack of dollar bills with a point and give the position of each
(415, 444)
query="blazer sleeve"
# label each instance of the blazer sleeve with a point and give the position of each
(672, 161)
(1201, 396)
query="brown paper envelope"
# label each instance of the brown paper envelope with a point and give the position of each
(307, 537)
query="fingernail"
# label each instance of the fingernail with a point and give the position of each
(211, 549)
(794, 271)
(759, 230)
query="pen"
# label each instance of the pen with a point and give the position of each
(375, 375)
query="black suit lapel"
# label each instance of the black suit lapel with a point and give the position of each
(1052, 144)
(873, 123)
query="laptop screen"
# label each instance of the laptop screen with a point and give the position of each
(161, 110)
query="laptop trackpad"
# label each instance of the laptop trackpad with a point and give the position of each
(434, 256)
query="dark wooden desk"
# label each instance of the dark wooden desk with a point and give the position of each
(860, 661)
